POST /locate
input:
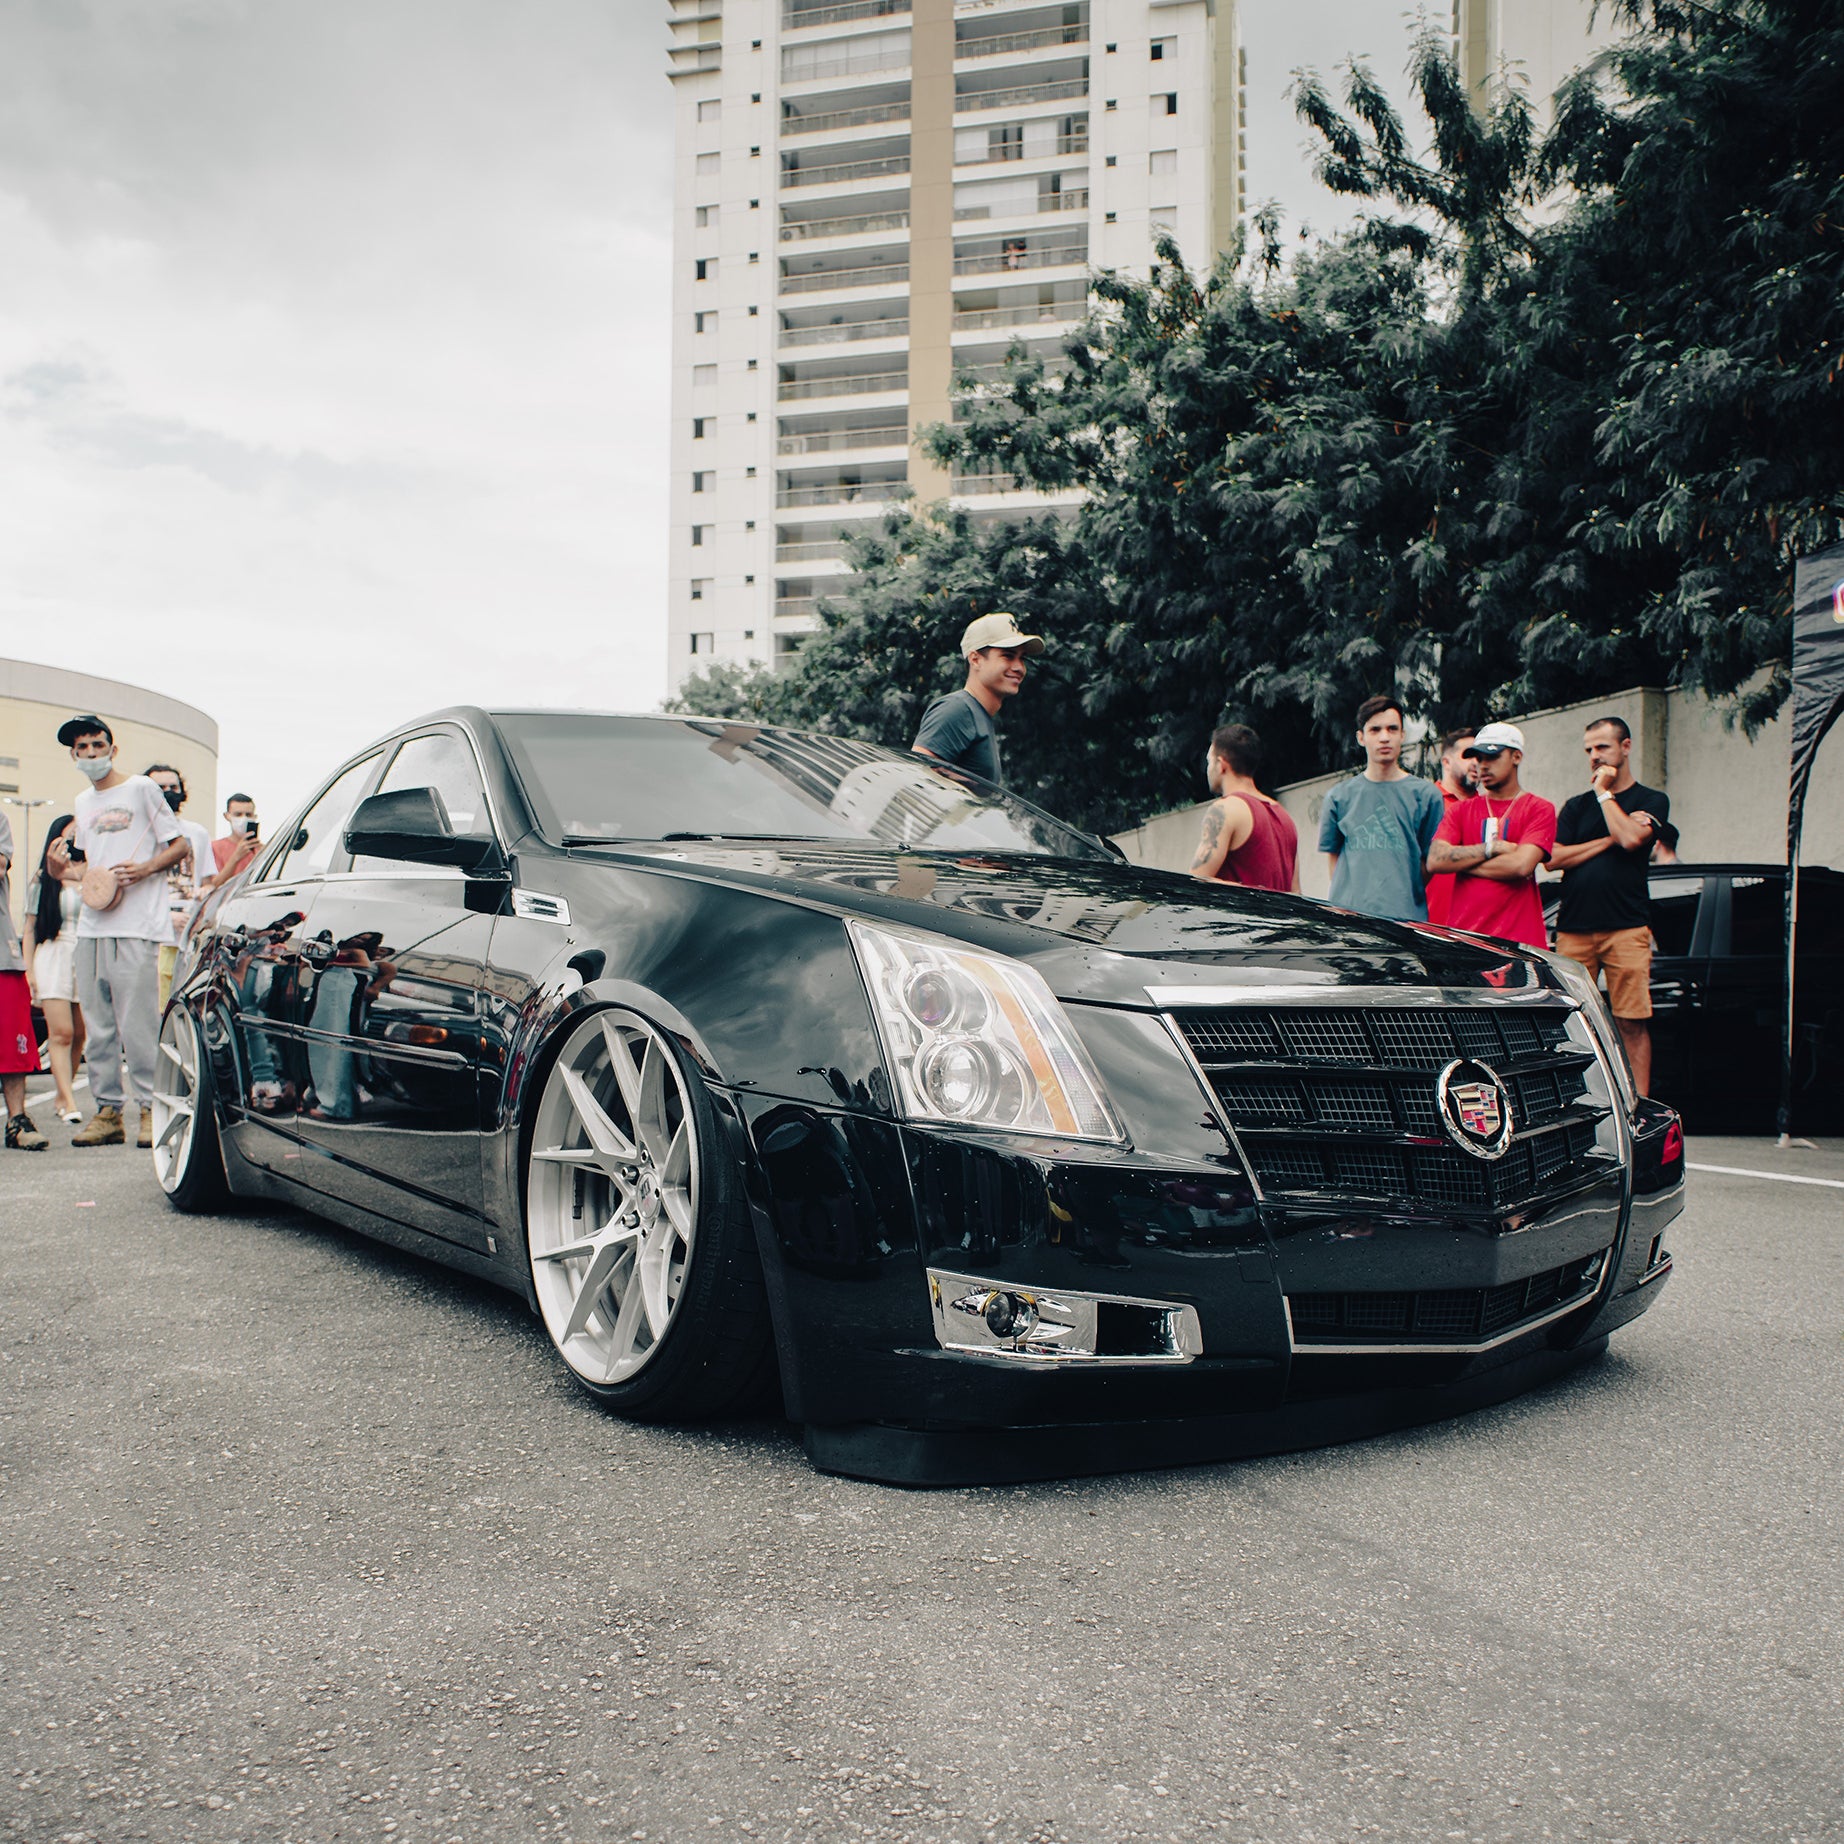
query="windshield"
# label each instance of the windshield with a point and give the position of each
(633, 778)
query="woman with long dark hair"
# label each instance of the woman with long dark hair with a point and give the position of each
(52, 904)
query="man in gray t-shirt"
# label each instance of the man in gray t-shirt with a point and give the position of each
(958, 728)
(1377, 827)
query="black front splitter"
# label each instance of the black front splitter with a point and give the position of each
(1067, 1450)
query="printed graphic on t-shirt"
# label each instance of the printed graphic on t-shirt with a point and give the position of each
(112, 819)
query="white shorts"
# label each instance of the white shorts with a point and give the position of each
(54, 967)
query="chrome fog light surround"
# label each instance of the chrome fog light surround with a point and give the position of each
(1036, 1325)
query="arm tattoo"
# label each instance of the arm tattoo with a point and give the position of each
(1212, 839)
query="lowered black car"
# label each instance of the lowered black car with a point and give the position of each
(756, 1059)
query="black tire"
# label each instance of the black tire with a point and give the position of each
(715, 1354)
(189, 1158)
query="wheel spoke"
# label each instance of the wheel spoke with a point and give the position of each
(571, 1251)
(568, 1155)
(173, 1056)
(627, 1323)
(650, 1118)
(675, 1168)
(177, 1122)
(621, 1061)
(604, 1135)
(595, 1284)
(655, 1273)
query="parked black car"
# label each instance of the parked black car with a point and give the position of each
(1719, 995)
(751, 1056)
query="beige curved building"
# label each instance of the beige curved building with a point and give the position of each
(34, 767)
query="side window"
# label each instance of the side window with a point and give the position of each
(1674, 912)
(318, 837)
(1757, 915)
(441, 760)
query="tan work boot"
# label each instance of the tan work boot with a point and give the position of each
(105, 1129)
(145, 1139)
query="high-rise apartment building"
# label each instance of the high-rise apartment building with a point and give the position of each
(871, 197)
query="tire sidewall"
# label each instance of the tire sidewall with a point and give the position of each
(201, 1184)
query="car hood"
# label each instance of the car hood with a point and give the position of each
(1104, 932)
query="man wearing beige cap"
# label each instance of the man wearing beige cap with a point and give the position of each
(958, 728)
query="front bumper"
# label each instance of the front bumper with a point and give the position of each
(852, 1214)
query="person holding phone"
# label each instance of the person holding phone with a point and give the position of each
(241, 838)
(1495, 843)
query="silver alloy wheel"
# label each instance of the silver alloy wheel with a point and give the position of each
(176, 1098)
(612, 1195)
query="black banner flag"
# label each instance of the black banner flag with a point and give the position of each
(1818, 702)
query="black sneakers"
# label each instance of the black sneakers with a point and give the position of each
(22, 1136)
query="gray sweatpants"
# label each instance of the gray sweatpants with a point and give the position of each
(118, 986)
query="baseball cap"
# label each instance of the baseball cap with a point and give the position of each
(997, 631)
(1494, 740)
(83, 726)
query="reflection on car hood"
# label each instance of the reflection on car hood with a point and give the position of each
(1104, 931)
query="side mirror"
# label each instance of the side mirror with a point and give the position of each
(412, 824)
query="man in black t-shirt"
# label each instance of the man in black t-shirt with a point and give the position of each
(1604, 840)
(958, 728)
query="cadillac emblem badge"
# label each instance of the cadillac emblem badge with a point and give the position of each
(1474, 1107)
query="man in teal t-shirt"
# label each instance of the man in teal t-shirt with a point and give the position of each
(1377, 827)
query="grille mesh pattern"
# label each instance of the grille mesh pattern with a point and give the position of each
(1449, 1315)
(1341, 1100)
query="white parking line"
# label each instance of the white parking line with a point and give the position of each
(47, 1094)
(1785, 1178)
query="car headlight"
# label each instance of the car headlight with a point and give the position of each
(1581, 986)
(978, 1040)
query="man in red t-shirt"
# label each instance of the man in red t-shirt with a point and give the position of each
(1459, 781)
(1495, 842)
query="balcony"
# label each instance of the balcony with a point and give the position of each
(835, 332)
(793, 17)
(868, 55)
(1004, 257)
(842, 384)
(1040, 313)
(875, 275)
(1022, 95)
(1018, 150)
(830, 441)
(842, 493)
(985, 483)
(1069, 199)
(843, 172)
(856, 224)
(859, 117)
(810, 550)
(1000, 44)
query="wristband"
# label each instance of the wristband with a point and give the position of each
(1603, 798)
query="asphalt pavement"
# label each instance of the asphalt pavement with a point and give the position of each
(306, 1539)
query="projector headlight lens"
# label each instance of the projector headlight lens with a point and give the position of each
(978, 1040)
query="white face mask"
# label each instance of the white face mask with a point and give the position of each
(96, 767)
(242, 823)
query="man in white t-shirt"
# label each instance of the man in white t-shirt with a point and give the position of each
(124, 824)
(187, 880)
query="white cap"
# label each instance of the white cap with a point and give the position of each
(997, 631)
(1494, 740)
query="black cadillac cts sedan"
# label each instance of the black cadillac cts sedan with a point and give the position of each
(759, 1061)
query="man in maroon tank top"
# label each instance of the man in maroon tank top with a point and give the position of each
(1248, 839)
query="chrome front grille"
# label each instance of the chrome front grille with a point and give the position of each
(1339, 1101)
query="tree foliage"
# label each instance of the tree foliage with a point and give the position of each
(1556, 416)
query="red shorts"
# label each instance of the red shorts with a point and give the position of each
(18, 1046)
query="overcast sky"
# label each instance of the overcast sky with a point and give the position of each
(333, 348)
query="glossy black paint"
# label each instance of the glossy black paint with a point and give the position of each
(379, 1033)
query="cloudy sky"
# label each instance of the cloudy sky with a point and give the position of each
(333, 340)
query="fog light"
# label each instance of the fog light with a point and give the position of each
(1058, 1326)
(1009, 1315)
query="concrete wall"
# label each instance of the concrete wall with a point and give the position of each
(1728, 795)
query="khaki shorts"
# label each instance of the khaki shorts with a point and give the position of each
(1625, 956)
